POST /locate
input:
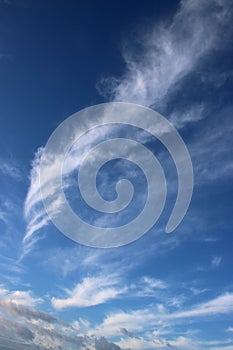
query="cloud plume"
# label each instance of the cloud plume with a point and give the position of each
(169, 52)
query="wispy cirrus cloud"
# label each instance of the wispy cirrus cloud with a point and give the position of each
(156, 316)
(11, 269)
(34, 211)
(91, 291)
(156, 67)
(102, 289)
(11, 169)
(169, 52)
(220, 305)
(35, 215)
(216, 261)
(149, 287)
(166, 61)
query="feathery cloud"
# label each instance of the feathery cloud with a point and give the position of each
(91, 291)
(169, 52)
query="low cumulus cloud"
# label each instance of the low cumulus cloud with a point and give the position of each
(25, 327)
(22, 326)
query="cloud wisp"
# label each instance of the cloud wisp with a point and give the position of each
(11, 169)
(91, 291)
(169, 52)
(101, 289)
(138, 326)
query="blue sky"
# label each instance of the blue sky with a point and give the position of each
(176, 290)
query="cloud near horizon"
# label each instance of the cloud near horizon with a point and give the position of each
(23, 326)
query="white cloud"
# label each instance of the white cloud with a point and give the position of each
(191, 114)
(151, 317)
(148, 328)
(134, 321)
(198, 291)
(149, 286)
(141, 343)
(153, 283)
(23, 327)
(91, 291)
(97, 290)
(216, 261)
(177, 301)
(11, 215)
(19, 297)
(229, 329)
(3, 292)
(11, 169)
(220, 305)
(34, 212)
(184, 342)
(169, 52)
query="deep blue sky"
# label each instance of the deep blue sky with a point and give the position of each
(55, 54)
(57, 57)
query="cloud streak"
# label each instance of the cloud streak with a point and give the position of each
(91, 291)
(169, 52)
(142, 320)
(155, 69)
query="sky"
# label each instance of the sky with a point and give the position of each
(162, 290)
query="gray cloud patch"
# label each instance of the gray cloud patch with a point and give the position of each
(19, 310)
(103, 344)
(127, 333)
(23, 327)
